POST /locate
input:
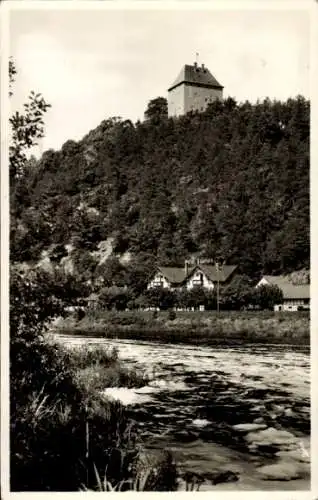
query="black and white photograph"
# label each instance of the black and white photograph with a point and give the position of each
(156, 199)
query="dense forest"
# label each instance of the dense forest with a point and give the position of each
(230, 183)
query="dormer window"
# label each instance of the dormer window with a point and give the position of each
(198, 279)
(158, 281)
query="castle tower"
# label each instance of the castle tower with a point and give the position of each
(193, 89)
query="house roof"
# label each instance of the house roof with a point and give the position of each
(276, 280)
(91, 298)
(174, 274)
(296, 291)
(211, 272)
(177, 275)
(196, 75)
(290, 291)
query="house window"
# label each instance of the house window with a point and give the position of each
(158, 282)
(198, 280)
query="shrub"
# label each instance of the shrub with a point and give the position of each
(123, 318)
(237, 294)
(172, 315)
(97, 377)
(160, 297)
(115, 297)
(84, 357)
(266, 296)
(48, 428)
(50, 448)
(80, 314)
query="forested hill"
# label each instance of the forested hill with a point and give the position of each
(232, 182)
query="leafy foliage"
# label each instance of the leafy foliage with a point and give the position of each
(155, 474)
(114, 298)
(26, 128)
(157, 110)
(160, 298)
(238, 293)
(266, 296)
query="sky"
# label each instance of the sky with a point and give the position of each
(97, 63)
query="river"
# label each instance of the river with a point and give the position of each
(198, 397)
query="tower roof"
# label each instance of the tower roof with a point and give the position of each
(196, 75)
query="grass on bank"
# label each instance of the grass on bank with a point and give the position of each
(203, 328)
(66, 431)
(96, 368)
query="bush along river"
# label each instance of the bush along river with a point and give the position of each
(234, 418)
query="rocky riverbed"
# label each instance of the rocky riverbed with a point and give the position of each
(235, 418)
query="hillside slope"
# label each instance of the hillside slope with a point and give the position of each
(232, 182)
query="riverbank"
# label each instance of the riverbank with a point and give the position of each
(195, 328)
(67, 435)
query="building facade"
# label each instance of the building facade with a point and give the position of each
(160, 281)
(295, 297)
(188, 277)
(199, 278)
(194, 88)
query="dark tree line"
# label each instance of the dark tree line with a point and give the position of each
(238, 295)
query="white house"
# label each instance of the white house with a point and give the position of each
(168, 277)
(203, 275)
(294, 296)
(207, 276)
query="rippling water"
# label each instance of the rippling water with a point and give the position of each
(197, 394)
